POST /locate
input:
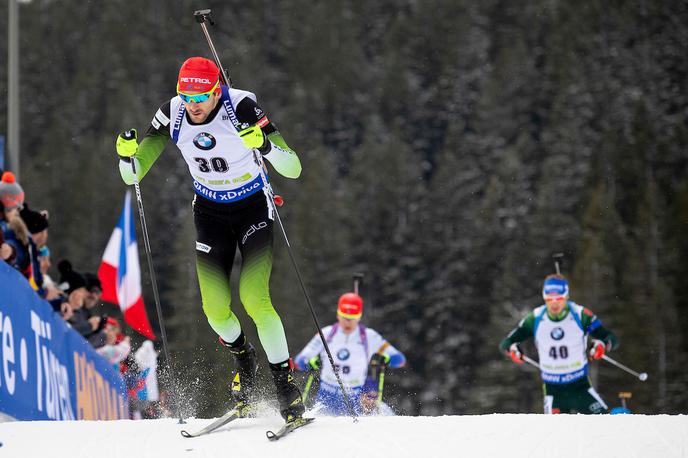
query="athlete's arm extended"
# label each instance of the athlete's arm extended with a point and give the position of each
(311, 350)
(150, 148)
(157, 136)
(283, 159)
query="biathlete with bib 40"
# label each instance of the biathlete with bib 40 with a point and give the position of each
(560, 328)
(360, 353)
(218, 129)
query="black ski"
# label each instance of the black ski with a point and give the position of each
(237, 412)
(288, 427)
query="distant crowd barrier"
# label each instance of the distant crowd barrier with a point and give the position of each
(48, 371)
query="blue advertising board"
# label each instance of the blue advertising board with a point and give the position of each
(48, 371)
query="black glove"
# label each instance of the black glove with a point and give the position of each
(380, 360)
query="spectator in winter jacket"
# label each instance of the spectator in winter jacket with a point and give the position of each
(74, 286)
(11, 193)
(95, 290)
(5, 249)
(37, 225)
(52, 292)
(15, 232)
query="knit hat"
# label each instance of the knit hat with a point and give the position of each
(350, 306)
(92, 281)
(197, 75)
(69, 279)
(11, 194)
(36, 222)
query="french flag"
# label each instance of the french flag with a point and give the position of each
(120, 274)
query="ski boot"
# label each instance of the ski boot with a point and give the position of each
(244, 377)
(289, 397)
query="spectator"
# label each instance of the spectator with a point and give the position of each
(74, 285)
(37, 225)
(117, 345)
(52, 292)
(5, 249)
(95, 290)
(11, 193)
(15, 232)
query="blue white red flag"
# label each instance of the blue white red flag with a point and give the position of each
(120, 273)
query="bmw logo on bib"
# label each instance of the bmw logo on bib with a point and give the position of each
(343, 354)
(204, 141)
(557, 333)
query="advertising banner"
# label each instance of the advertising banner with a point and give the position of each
(48, 371)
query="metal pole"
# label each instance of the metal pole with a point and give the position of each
(156, 296)
(531, 361)
(13, 88)
(641, 376)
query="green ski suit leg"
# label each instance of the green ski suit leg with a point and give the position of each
(219, 231)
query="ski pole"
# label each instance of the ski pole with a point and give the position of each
(531, 361)
(307, 388)
(154, 285)
(381, 384)
(201, 16)
(641, 376)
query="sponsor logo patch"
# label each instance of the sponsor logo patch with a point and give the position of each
(188, 79)
(251, 230)
(343, 354)
(557, 333)
(204, 141)
(203, 247)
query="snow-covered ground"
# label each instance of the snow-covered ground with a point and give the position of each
(498, 435)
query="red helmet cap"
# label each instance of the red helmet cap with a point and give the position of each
(197, 75)
(350, 306)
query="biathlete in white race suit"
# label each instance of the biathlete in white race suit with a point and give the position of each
(219, 130)
(561, 328)
(354, 348)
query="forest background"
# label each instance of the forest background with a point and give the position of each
(449, 147)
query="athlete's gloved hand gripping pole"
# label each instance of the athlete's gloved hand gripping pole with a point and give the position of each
(126, 146)
(518, 357)
(201, 17)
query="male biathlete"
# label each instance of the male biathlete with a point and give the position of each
(560, 328)
(218, 129)
(356, 349)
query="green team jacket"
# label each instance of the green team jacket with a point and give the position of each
(591, 324)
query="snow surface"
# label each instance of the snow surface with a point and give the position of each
(497, 435)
